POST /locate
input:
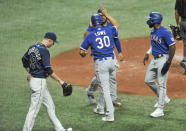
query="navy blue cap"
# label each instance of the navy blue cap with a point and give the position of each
(52, 36)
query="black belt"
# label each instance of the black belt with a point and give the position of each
(183, 19)
(158, 56)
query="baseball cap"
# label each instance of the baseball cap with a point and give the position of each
(52, 36)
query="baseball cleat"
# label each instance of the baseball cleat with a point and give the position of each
(91, 99)
(157, 113)
(183, 64)
(69, 129)
(107, 119)
(99, 111)
(116, 104)
(167, 100)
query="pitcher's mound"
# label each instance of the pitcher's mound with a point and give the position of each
(131, 74)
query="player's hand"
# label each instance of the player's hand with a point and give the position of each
(146, 58)
(82, 53)
(120, 55)
(104, 11)
(28, 77)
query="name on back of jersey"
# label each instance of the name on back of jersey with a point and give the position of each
(35, 51)
(98, 33)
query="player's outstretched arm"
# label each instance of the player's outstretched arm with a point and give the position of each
(55, 77)
(111, 19)
(172, 49)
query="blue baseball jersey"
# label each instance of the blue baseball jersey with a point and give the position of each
(117, 41)
(90, 28)
(37, 59)
(101, 41)
(161, 39)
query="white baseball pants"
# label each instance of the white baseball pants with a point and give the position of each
(40, 94)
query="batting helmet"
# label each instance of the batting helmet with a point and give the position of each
(154, 18)
(99, 12)
(96, 19)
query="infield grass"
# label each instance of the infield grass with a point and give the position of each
(24, 22)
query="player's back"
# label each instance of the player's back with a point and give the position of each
(34, 55)
(102, 41)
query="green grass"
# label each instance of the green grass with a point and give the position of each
(76, 112)
(24, 22)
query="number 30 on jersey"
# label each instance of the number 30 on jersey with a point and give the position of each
(103, 42)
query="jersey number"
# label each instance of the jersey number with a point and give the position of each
(103, 42)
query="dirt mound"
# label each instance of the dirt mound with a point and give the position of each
(131, 74)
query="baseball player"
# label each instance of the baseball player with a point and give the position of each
(36, 61)
(101, 41)
(163, 49)
(180, 11)
(94, 83)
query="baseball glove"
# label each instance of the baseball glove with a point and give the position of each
(175, 32)
(67, 89)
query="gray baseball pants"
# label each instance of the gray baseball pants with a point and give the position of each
(105, 70)
(113, 84)
(153, 73)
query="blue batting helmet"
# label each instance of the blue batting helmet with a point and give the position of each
(154, 18)
(96, 19)
(99, 12)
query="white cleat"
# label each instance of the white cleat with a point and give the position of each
(69, 129)
(107, 119)
(98, 111)
(167, 100)
(157, 113)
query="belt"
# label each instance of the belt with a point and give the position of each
(104, 58)
(158, 56)
(183, 19)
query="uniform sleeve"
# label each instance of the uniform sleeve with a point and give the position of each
(86, 43)
(168, 38)
(45, 55)
(116, 39)
(25, 61)
(46, 61)
(118, 44)
(114, 32)
(90, 28)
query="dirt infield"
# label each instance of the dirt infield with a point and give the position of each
(72, 68)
